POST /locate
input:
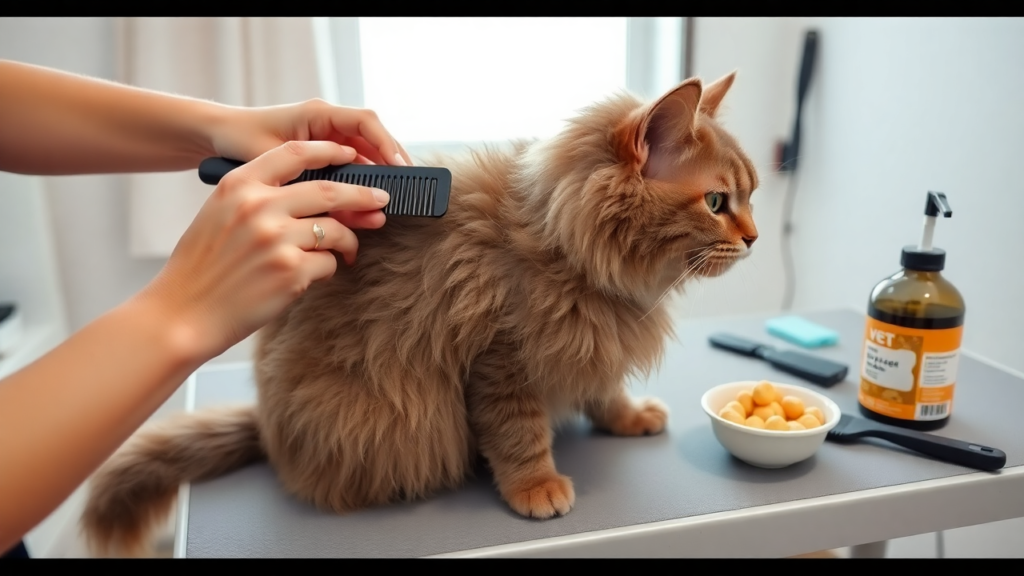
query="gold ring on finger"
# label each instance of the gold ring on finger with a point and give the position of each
(319, 235)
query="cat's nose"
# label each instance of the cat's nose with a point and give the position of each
(749, 240)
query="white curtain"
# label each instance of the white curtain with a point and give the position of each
(236, 61)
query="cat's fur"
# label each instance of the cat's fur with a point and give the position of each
(534, 297)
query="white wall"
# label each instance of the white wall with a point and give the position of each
(900, 107)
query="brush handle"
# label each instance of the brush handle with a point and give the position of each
(953, 451)
(811, 368)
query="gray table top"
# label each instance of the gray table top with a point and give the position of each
(619, 482)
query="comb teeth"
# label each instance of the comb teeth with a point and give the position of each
(414, 191)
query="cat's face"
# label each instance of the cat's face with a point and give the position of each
(640, 196)
(697, 180)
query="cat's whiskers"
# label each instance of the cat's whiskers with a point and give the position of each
(755, 273)
(696, 264)
(700, 260)
(691, 298)
(696, 249)
(700, 283)
(674, 283)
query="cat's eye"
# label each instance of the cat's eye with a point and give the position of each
(715, 200)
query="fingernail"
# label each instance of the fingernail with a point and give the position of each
(399, 160)
(381, 196)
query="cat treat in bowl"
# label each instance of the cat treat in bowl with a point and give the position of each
(768, 424)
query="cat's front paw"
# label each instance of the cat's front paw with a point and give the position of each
(542, 497)
(646, 416)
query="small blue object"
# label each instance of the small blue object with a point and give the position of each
(801, 332)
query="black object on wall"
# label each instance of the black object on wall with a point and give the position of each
(789, 154)
(791, 149)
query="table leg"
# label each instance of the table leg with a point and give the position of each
(869, 550)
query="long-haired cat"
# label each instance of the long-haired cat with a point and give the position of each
(535, 297)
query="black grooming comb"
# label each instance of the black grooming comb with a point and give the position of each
(850, 428)
(414, 190)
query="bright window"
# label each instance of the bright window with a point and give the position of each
(448, 81)
(470, 79)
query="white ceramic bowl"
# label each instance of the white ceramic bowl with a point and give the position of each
(768, 448)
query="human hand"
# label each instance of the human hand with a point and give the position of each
(245, 133)
(252, 249)
(242, 134)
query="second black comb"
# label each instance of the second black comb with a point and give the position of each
(414, 190)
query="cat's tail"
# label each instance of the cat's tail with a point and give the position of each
(134, 491)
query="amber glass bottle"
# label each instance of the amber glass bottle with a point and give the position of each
(912, 337)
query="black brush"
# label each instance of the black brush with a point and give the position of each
(850, 428)
(414, 190)
(815, 369)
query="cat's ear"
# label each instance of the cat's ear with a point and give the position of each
(667, 124)
(714, 93)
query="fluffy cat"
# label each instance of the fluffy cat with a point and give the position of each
(535, 297)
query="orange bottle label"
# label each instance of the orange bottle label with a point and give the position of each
(909, 373)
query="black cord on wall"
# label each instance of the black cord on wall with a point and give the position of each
(788, 163)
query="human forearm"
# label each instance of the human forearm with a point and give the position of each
(58, 123)
(246, 256)
(63, 415)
